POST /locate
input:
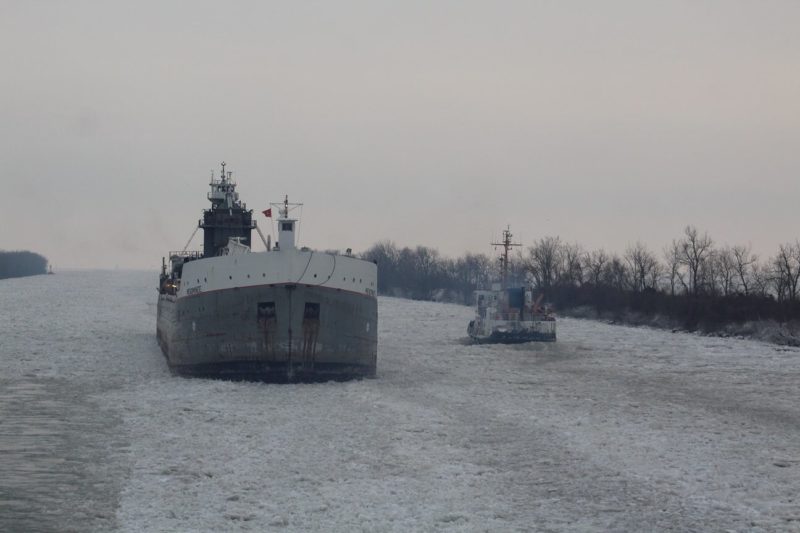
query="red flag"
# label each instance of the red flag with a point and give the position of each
(267, 212)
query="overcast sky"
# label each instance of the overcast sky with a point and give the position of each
(429, 122)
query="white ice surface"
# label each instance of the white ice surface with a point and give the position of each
(611, 428)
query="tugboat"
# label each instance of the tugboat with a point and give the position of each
(284, 314)
(510, 315)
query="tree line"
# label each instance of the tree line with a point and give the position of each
(23, 263)
(693, 281)
(421, 273)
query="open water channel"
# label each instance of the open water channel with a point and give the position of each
(611, 428)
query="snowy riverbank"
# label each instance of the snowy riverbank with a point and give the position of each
(784, 334)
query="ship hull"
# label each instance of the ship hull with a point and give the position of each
(513, 332)
(276, 332)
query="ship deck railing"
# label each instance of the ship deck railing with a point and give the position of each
(187, 255)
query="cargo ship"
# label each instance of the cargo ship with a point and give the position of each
(510, 315)
(286, 313)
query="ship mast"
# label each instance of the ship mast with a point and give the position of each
(507, 245)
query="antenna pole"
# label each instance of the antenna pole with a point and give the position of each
(507, 245)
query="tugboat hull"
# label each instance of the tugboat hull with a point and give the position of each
(278, 332)
(541, 331)
(514, 338)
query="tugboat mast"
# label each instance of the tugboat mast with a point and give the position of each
(507, 245)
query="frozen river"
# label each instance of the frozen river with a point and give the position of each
(611, 428)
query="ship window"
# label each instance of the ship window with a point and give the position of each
(230, 277)
(286, 226)
(311, 311)
(266, 310)
(264, 275)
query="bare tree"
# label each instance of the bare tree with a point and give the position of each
(674, 274)
(787, 271)
(544, 259)
(656, 274)
(724, 266)
(617, 274)
(641, 263)
(695, 253)
(471, 272)
(760, 279)
(571, 271)
(743, 261)
(594, 264)
(386, 255)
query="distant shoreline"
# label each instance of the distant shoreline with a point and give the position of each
(18, 264)
(764, 330)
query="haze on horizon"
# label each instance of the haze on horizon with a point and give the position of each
(424, 123)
